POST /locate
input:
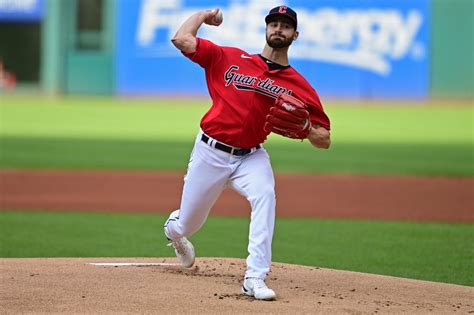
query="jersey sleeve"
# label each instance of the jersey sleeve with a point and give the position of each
(206, 54)
(316, 110)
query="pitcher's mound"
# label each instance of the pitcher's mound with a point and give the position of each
(212, 286)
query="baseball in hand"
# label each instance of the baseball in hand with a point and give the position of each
(214, 17)
(218, 18)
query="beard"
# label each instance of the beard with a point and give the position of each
(278, 42)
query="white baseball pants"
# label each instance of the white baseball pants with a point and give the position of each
(210, 171)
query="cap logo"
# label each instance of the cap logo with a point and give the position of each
(282, 9)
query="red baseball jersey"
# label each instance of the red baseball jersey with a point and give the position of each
(243, 88)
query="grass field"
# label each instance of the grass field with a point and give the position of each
(102, 133)
(437, 252)
(96, 133)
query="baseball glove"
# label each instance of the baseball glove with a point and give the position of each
(288, 117)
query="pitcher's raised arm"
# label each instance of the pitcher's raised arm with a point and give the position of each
(185, 37)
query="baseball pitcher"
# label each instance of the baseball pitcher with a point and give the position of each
(252, 95)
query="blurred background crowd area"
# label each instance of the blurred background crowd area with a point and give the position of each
(352, 49)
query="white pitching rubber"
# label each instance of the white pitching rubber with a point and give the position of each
(133, 264)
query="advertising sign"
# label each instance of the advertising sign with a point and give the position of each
(346, 48)
(21, 10)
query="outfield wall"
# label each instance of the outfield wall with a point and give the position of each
(347, 48)
(452, 51)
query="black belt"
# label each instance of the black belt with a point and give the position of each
(228, 149)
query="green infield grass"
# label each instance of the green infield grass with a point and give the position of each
(436, 252)
(158, 134)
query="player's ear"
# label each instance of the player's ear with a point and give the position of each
(296, 35)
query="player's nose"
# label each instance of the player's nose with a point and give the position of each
(278, 33)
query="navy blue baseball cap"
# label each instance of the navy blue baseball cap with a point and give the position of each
(282, 10)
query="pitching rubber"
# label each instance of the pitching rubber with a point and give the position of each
(133, 264)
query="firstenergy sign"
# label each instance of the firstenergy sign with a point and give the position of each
(365, 38)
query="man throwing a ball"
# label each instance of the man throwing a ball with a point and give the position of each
(252, 95)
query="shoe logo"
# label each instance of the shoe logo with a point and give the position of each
(245, 57)
(268, 61)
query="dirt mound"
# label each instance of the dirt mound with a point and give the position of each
(212, 286)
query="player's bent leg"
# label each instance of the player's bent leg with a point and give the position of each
(206, 178)
(199, 195)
